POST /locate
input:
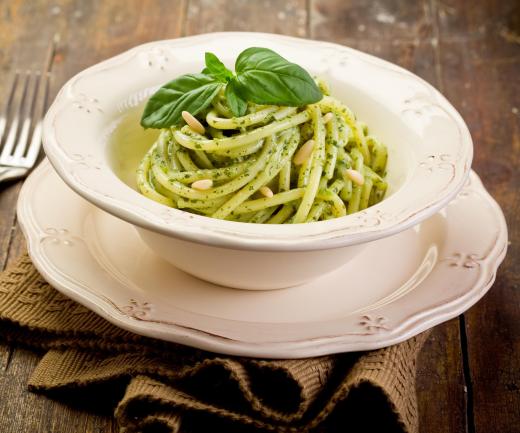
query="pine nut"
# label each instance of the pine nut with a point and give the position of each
(328, 117)
(202, 184)
(266, 191)
(355, 176)
(192, 122)
(303, 153)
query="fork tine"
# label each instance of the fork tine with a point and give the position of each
(28, 114)
(3, 119)
(40, 104)
(13, 130)
(29, 110)
(34, 147)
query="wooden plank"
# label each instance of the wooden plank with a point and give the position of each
(375, 21)
(90, 32)
(480, 53)
(8, 196)
(21, 410)
(273, 16)
(391, 30)
(440, 388)
(404, 33)
(16, 53)
(16, 30)
(17, 246)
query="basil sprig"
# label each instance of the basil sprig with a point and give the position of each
(216, 68)
(190, 92)
(264, 77)
(236, 103)
(261, 76)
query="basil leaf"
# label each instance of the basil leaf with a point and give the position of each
(235, 102)
(216, 68)
(190, 92)
(265, 77)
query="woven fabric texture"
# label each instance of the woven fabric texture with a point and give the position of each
(154, 385)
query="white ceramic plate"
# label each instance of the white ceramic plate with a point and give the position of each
(399, 286)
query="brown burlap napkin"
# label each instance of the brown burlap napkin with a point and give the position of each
(165, 387)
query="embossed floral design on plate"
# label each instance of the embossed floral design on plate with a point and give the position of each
(137, 309)
(374, 324)
(156, 57)
(59, 237)
(464, 260)
(437, 162)
(86, 103)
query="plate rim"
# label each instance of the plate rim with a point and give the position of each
(414, 324)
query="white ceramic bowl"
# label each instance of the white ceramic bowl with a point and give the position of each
(93, 139)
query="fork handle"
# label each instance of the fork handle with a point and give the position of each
(9, 173)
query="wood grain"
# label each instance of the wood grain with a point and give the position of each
(30, 412)
(398, 31)
(469, 50)
(480, 54)
(273, 16)
(20, 48)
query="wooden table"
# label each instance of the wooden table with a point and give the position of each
(469, 371)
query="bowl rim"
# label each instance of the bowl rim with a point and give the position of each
(368, 225)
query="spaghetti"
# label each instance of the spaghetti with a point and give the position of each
(273, 165)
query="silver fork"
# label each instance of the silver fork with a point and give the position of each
(22, 121)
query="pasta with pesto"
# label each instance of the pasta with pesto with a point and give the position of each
(274, 165)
